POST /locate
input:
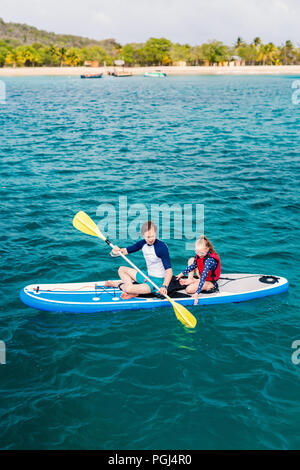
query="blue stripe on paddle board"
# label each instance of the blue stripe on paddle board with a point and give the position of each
(90, 306)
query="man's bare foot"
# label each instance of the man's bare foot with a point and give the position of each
(111, 283)
(126, 296)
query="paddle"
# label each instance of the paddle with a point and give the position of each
(85, 224)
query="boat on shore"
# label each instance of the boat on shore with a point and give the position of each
(157, 73)
(90, 75)
(119, 70)
(121, 74)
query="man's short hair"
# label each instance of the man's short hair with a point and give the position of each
(147, 226)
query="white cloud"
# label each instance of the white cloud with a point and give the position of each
(192, 21)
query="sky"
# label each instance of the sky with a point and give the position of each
(183, 21)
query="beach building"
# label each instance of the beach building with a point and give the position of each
(91, 63)
(236, 60)
(179, 63)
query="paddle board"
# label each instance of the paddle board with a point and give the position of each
(93, 297)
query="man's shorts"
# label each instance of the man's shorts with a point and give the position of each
(157, 280)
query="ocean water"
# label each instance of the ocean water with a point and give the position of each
(139, 379)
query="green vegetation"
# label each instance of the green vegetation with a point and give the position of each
(22, 45)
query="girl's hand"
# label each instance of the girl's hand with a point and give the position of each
(196, 295)
(179, 276)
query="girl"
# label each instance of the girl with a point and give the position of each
(206, 265)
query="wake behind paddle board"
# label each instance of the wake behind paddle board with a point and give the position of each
(93, 297)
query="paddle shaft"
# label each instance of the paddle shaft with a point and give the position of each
(137, 269)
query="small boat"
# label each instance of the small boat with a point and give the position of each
(121, 74)
(89, 75)
(155, 74)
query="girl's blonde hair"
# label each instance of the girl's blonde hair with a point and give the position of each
(204, 240)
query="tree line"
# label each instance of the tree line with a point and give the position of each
(154, 52)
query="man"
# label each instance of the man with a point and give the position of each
(158, 262)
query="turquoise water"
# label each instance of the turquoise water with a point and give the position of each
(138, 379)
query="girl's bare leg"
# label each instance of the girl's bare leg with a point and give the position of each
(191, 288)
(190, 279)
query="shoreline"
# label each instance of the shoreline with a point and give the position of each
(169, 70)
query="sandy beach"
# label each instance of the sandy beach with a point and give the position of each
(170, 70)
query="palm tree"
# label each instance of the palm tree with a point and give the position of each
(287, 52)
(263, 54)
(11, 58)
(73, 56)
(27, 56)
(272, 52)
(62, 55)
(256, 41)
(267, 53)
(239, 42)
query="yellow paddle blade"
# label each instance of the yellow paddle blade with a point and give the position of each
(183, 315)
(85, 224)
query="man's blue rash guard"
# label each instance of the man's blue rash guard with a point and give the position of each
(157, 256)
(209, 264)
